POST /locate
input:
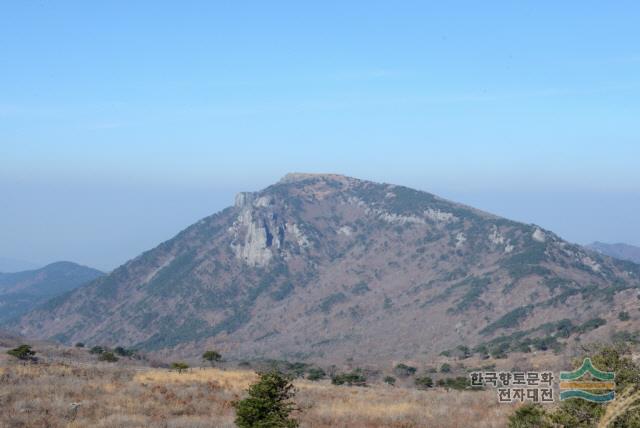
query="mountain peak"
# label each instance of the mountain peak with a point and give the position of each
(322, 264)
(311, 183)
(22, 291)
(293, 177)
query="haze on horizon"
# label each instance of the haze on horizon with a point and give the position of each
(121, 123)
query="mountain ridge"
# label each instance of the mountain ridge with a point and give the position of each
(619, 250)
(22, 291)
(324, 265)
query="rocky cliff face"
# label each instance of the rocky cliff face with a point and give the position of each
(320, 266)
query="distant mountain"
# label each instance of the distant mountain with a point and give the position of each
(13, 265)
(331, 267)
(23, 291)
(619, 251)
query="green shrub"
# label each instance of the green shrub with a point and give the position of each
(109, 357)
(79, 345)
(624, 316)
(389, 380)
(268, 404)
(563, 328)
(179, 366)
(332, 300)
(529, 416)
(387, 303)
(499, 354)
(463, 352)
(23, 353)
(509, 320)
(355, 378)
(124, 352)
(282, 291)
(592, 324)
(546, 343)
(212, 357)
(360, 288)
(458, 383)
(316, 374)
(291, 369)
(404, 370)
(475, 288)
(445, 368)
(424, 382)
(96, 350)
(295, 369)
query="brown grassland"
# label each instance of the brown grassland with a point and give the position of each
(68, 394)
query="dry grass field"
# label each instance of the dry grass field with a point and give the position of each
(60, 394)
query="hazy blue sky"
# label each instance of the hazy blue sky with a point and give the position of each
(123, 122)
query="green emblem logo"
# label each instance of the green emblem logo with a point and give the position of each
(591, 390)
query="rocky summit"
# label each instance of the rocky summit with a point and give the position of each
(332, 267)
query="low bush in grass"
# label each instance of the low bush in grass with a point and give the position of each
(424, 382)
(457, 383)
(108, 357)
(354, 378)
(23, 353)
(179, 366)
(403, 370)
(316, 373)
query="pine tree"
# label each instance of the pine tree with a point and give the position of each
(268, 404)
